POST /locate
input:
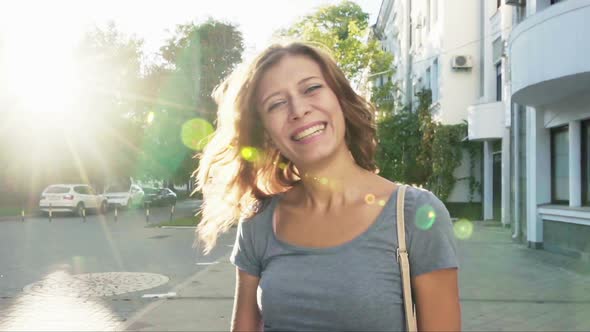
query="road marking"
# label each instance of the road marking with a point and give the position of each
(151, 296)
(207, 263)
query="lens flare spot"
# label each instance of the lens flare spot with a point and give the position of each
(463, 229)
(250, 154)
(381, 202)
(150, 117)
(196, 133)
(324, 180)
(425, 217)
(370, 199)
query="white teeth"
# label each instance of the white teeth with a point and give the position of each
(309, 131)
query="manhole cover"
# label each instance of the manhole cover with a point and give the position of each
(95, 284)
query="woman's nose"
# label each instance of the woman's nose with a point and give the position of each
(299, 108)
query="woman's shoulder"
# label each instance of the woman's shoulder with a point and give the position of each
(421, 195)
(259, 215)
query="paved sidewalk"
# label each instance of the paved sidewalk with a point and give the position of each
(504, 287)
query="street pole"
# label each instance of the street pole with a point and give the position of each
(172, 211)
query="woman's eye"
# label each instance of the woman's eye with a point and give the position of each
(313, 88)
(276, 105)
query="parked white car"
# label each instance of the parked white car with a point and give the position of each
(72, 198)
(118, 195)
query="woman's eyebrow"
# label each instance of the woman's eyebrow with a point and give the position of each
(307, 79)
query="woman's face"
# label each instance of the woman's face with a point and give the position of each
(300, 112)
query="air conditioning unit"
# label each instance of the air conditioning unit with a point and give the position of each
(515, 2)
(461, 62)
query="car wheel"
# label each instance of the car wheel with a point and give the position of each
(80, 209)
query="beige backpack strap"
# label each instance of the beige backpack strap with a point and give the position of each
(404, 262)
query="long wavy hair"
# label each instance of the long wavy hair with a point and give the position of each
(239, 168)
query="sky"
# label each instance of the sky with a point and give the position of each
(60, 22)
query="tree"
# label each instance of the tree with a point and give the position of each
(199, 57)
(195, 60)
(415, 149)
(343, 29)
(110, 98)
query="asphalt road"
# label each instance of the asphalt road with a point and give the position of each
(35, 252)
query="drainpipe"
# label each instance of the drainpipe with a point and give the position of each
(515, 131)
(409, 92)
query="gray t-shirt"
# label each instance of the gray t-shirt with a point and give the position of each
(355, 286)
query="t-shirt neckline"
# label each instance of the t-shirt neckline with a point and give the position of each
(363, 234)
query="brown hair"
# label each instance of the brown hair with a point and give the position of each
(239, 168)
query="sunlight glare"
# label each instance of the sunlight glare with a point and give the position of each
(38, 57)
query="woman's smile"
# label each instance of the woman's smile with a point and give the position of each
(300, 111)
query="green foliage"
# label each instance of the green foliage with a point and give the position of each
(415, 149)
(343, 30)
(196, 59)
(399, 145)
(447, 154)
(382, 97)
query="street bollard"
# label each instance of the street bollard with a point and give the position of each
(84, 214)
(116, 213)
(172, 211)
(147, 213)
(22, 215)
(50, 212)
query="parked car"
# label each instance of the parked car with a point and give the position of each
(72, 198)
(161, 196)
(124, 197)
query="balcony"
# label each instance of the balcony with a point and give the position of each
(549, 54)
(485, 121)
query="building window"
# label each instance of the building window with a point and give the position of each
(586, 162)
(499, 81)
(555, 1)
(434, 81)
(560, 181)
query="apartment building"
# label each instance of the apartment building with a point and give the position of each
(549, 88)
(435, 47)
(525, 96)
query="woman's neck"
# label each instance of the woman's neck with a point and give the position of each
(332, 185)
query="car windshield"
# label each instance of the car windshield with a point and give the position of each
(57, 190)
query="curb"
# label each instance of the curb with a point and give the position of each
(17, 217)
(160, 301)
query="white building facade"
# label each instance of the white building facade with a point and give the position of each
(550, 94)
(526, 98)
(433, 46)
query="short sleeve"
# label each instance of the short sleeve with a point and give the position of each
(243, 255)
(432, 245)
